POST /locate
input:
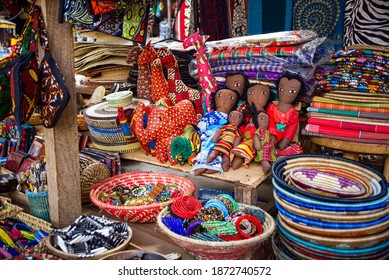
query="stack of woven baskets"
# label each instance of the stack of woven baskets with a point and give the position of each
(102, 120)
(330, 208)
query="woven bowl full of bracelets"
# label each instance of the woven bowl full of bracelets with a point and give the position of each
(138, 197)
(220, 229)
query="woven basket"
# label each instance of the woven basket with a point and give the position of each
(39, 204)
(66, 256)
(145, 213)
(231, 250)
(9, 209)
(91, 175)
(36, 224)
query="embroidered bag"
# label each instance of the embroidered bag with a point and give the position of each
(54, 92)
(24, 79)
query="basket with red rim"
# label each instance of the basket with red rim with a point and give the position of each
(133, 212)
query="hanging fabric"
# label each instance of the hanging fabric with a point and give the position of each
(324, 17)
(109, 23)
(76, 11)
(366, 23)
(135, 22)
(102, 6)
(239, 19)
(214, 19)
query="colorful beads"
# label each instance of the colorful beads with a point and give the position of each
(139, 195)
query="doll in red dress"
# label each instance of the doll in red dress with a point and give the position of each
(284, 119)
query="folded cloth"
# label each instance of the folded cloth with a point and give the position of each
(358, 134)
(350, 125)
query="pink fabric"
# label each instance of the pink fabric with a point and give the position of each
(350, 125)
(345, 132)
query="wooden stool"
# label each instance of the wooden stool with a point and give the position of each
(351, 150)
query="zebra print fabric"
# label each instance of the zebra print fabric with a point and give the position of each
(366, 22)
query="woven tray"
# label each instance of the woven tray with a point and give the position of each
(209, 250)
(9, 209)
(145, 213)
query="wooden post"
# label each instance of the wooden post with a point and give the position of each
(62, 141)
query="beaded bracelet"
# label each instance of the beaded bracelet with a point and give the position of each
(174, 224)
(193, 227)
(217, 204)
(210, 214)
(259, 214)
(219, 228)
(229, 198)
(252, 219)
(186, 207)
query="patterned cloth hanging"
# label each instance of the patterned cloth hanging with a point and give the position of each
(366, 23)
(325, 17)
(135, 22)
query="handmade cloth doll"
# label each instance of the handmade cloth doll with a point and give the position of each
(263, 142)
(258, 97)
(222, 102)
(227, 137)
(284, 119)
(238, 82)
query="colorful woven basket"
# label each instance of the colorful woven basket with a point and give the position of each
(139, 214)
(211, 250)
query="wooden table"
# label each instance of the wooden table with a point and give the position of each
(245, 180)
(351, 150)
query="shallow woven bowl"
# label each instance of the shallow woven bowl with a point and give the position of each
(144, 213)
(208, 250)
(283, 167)
(66, 256)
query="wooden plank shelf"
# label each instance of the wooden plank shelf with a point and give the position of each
(245, 180)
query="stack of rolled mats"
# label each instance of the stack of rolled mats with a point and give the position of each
(264, 57)
(329, 208)
(354, 102)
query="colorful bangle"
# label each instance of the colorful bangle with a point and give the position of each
(251, 219)
(219, 228)
(186, 207)
(229, 198)
(210, 214)
(217, 204)
(257, 213)
(174, 224)
(193, 227)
